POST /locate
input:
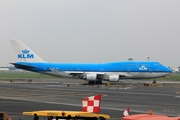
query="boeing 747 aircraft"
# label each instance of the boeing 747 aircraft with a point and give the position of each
(93, 72)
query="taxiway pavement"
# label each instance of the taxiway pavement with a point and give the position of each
(20, 96)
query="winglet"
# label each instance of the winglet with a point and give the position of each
(23, 53)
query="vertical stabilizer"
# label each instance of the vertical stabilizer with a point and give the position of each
(23, 53)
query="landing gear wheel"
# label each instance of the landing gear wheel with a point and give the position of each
(102, 118)
(154, 81)
(91, 82)
(36, 117)
(99, 81)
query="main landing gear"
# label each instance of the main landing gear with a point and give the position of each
(98, 81)
(154, 83)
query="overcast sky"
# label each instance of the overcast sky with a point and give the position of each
(92, 30)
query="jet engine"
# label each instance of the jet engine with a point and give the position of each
(91, 77)
(114, 78)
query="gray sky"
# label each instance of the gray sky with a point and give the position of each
(92, 30)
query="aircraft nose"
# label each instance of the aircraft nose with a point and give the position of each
(168, 70)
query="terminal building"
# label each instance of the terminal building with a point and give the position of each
(4, 69)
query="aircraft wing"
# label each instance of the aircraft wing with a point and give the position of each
(83, 74)
(99, 74)
(74, 72)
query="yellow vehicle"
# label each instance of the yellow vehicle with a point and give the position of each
(56, 114)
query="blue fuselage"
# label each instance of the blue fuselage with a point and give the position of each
(100, 67)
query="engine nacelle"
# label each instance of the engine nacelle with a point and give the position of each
(91, 77)
(114, 78)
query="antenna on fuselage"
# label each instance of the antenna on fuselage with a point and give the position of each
(148, 57)
(130, 59)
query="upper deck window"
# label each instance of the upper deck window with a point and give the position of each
(144, 64)
(129, 64)
(158, 64)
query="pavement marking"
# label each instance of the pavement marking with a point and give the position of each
(126, 92)
(104, 95)
(18, 93)
(102, 87)
(80, 90)
(77, 105)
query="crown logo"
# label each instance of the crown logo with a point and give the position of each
(25, 51)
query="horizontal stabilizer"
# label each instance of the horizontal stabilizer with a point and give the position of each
(22, 66)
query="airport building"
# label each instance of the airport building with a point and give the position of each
(4, 69)
(175, 69)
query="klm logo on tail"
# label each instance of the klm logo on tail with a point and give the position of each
(25, 54)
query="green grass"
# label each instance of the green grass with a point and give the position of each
(173, 76)
(23, 75)
(10, 75)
